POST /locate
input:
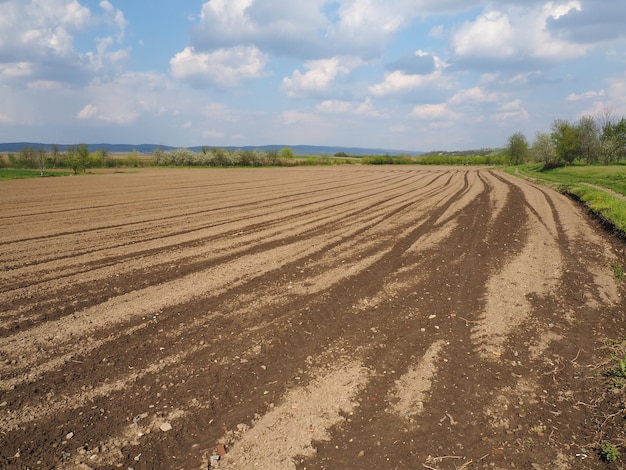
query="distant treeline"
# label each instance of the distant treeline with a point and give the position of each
(437, 159)
(80, 159)
(219, 157)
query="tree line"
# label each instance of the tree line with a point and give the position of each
(79, 159)
(589, 140)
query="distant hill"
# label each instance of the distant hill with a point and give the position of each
(150, 148)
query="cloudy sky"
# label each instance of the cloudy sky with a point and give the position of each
(401, 74)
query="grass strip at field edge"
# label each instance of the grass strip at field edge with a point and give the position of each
(609, 209)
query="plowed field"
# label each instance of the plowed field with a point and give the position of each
(320, 318)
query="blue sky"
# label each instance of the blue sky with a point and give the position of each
(407, 74)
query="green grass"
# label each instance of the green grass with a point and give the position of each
(11, 174)
(576, 180)
(479, 160)
(608, 452)
(618, 272)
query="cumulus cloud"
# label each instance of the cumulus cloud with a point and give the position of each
(513, 110)
(475, 95)
(222, 68)
(289, 27)
(115, 17)
(49, 25)
(37, 39)
(591, 22)
(434, 112)
(365, 108)
(292, 117)
(88, 112)
(517, 33)
(319, 77)
(16, 69)
(591, 94)
(311, 29)
(125, 98)
(399, 81)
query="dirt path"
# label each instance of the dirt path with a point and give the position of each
(316, 318)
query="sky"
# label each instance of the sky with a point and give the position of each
(417, 75)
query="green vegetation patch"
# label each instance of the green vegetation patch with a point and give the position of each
(440, 159)
(11, 174)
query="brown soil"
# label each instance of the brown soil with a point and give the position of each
(339, 318)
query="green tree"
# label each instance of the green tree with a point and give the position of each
(286, 153)
(517, 149)
(566, 141)
(95, 159)
(543, 149)
(588, 132)
(72, 160)
(613, 139)
(82, 154)
(104, 155)
(27, 157)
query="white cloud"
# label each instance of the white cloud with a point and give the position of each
(88, 112)
(591, 22)
(16, 69)
(50, 40)
(433, 112)
(616, 94)
(475, 95)
(44, 85)
(311, 29)
(319, 77)
(126, 98)
(591, 94)
(399, 81)
(512, 110)
(292, 117)
(115, 17)
(379, 17)
(212, 134)
(50, 23)
(283, 26)
(366, 108)
(224, 67)
(516, 33)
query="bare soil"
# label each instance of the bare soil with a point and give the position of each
(304, 318)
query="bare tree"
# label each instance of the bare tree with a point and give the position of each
(40, 160)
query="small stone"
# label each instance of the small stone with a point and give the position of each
(361, 454)
(165, 427)
(69, 435)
